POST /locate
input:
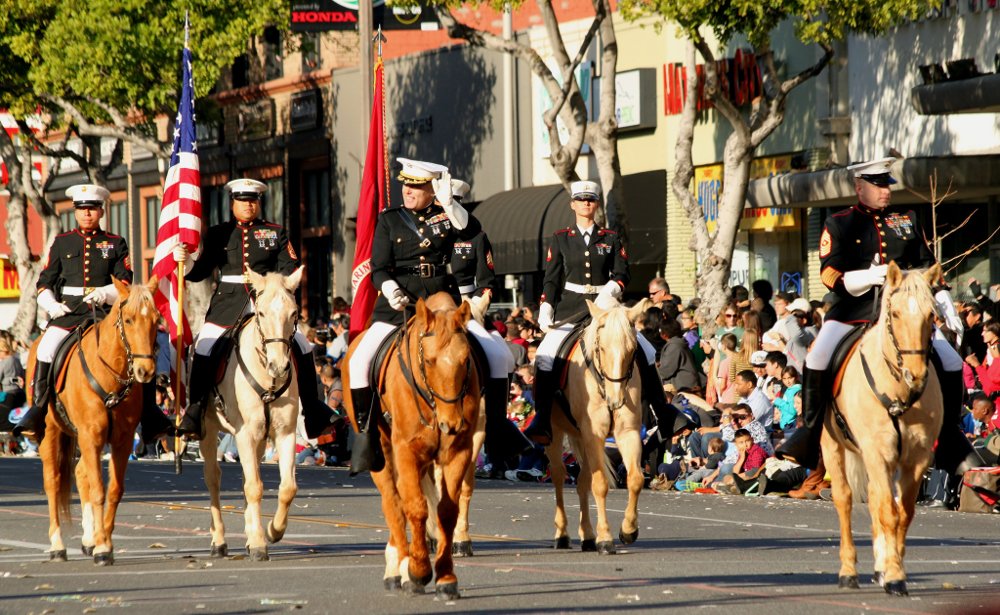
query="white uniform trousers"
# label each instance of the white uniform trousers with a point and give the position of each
(833, 331)
(49, 343)
(547, 350)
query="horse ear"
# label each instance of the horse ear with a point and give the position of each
(121, 287)
(462, 314)
(153, 282)
(292, 281)
(256, 280)
(424, 314)
(934, 276)
(595, 312)
(638, 310)
(893, 276)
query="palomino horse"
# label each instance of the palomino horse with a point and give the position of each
(891, 405)
(99, 406)
(433, 407)
(604, 397)
(260, 398)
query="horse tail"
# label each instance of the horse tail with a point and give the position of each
(67, 451)
(857, 475)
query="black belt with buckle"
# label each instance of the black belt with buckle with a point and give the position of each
(424, 270)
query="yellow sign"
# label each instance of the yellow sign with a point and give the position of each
(708, 189)
(10, 287)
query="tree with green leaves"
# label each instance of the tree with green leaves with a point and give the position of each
(97, 70)
(568, 103)
(818, 22)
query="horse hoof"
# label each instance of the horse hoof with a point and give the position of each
(606, 547)
(588, 545)
(219, 550)
(273, 535)
(392, 583)
(104, 559)
(447, 591)
(562, 542)
(845, 582)
(878, 578)
(462, 549)
(87, 550)
(258, 554)
(896, 588)
(412, 588)
(58, 556)
(628, 538)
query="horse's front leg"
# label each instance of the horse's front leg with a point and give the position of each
(396, 548)
(456, 460)
(56, 454)
(121, 447)
(584, 484)
(843, 499)
(462, 540)
(416, 568)
(249, 438)
(885, 514)
(911, 475)
(630, 447)
(594, 442)
(284, 445)
(558, 469)
(90, 483)
(213, 481)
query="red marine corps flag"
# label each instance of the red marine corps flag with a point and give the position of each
(374, 197)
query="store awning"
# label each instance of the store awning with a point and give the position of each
(519, 222)
(976, 95)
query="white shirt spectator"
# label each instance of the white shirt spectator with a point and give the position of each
(763, 411)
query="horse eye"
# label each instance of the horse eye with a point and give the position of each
(128, 321)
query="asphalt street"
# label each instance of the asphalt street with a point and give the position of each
(696, 553)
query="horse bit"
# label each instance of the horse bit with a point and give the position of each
(602, 378)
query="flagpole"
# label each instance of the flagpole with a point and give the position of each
(180, 366)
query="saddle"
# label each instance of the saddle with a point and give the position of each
(57, 374)
(565, 351)
(843, 353)
(380, 366)
(223, 347)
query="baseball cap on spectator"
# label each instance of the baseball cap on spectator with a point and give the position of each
(801, 305)
(758, 358)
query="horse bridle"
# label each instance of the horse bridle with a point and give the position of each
(897, 407)
(114, 398)
(268, 394)
(597, 370)
(427, 392)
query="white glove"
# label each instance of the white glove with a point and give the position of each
(946, 308)
(607, 298)
(181, 253)
(479, 306)
(395, 295)
(860, 281)
(442, 188)
(102, 295)
(47, 301)
(546, 316)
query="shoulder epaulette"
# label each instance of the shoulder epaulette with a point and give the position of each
(112, 235)
(65, 234)
(564, 230)
(606, 231)
(843, 212)
(266, 223)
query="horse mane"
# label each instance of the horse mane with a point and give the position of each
(440, 302)
(617, 325)
(914, 286)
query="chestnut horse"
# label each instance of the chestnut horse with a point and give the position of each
(432, 401)
(889, 443)
(604, 394)
(116, 354)
(260, 399)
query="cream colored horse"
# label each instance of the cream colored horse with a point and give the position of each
(603, 391)
(264, 345)
(893, 451)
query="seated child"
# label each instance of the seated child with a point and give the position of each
(716, 453)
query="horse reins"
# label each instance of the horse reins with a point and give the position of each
(427, 392)
(269, 394)
(897, 407)
(597, 370)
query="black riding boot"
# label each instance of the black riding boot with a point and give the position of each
(501, 442)
(153, 422)
(803, 445)
(540, 430)
(33, 422)
(316, 415)
(366, 454)
(954, 453)
(199, 386)
(669, 419)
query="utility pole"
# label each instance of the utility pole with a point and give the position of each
(365, 45)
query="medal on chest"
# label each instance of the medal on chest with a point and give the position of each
(105, 248)
(900, 224)
(439, 225)
(266, 237)
(603, 249)
(463, 248)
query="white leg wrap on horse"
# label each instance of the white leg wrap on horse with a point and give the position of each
(497, 354)
(364, 353)
(825, 344)
(545, 357)
(50, 343)
(951, 361)
(647, 348)
(304, 344)
(206, 338)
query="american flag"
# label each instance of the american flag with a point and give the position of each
(180, 214)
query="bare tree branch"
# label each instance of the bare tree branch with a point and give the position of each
(776, 114)
(713, 91)
(568, 80)
(44, 148)
(122, 131)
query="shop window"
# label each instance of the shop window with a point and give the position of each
(273, 60)
(67, 221)
(274, 202)
(241, 72)
(116, 219)
(317, 198)
(309, 44)
(152, 220)
(214, 206)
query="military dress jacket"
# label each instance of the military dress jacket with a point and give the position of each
(79, 262)
(232, 248)
(472, 266)
(414, 248)
(585, 268)
(858, 237)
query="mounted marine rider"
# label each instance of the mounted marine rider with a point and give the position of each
(472, 266)
(587, 262)
(855, 248)
(245, 243)
(411, 252)
(78, 276)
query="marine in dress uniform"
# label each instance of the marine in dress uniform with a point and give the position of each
(79, 273)
(586, 262)
(411, 253)
(245, 243)
(855, 248)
